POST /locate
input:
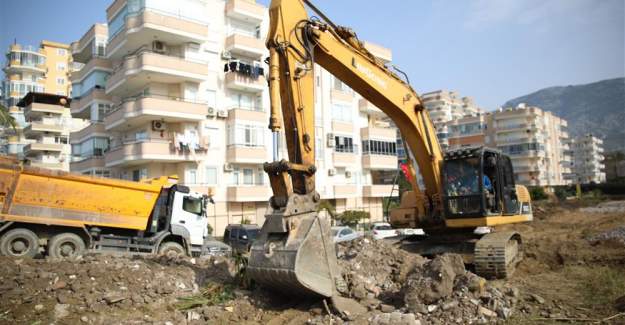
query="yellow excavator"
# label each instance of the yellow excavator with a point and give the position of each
(464, 189)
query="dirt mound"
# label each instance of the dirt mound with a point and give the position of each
(101, 289)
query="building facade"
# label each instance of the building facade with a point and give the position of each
(536, 141)
(444, 106)
(180, 89)
(45, 69)
(588, 160)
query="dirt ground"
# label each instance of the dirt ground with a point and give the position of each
(574, 270)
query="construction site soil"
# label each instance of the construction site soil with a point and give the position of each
(574, 270)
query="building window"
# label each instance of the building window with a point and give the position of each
(60, 81)
(344, 144)
(337, 84)
(375, 147)
(342, 112)
(60, 66)
(61, 52)
(190, 176)
(248, 176)
(210, 175)
(139, 174)
(246, 135)
(211, 98)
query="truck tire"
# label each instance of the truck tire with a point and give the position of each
(66, 244)
(19, 242)
(170, 248)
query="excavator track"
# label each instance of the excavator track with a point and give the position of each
(497, 254)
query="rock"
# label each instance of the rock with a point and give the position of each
(486, 312)
(619, 304)
(59, 285)
(113, 299)
(229, 309)
(432, 308)
(84, 319)
(436, 281)
(61, 311)
(513, 292)
(316, 310)
(504, 312)
(450, 305)
(359, 292)
(538, 298)
(386, 308)
(38, 307)
(192, 315)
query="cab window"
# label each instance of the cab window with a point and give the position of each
(192, 205)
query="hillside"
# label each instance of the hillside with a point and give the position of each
(597, 108)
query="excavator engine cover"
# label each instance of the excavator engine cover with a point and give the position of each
(294, 253)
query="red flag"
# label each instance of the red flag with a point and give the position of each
(406, 171)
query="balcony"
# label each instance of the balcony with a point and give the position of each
(245, 45)
(341, 96)
(43, 127)
(245, 10)
(379, 162)
(81, 106)
(34, 148)
(246, 155)
(377, 190)
(93, 64)
(343, 159)
(86, 164)
(46, 165)
(82, 50)
(364, 106)
(149, 67)
(376, 133)
(92, 130)
(145, 151)
(345, 191)
(248, 193)
(527, 154)
(516, 127)
(235, 80)
(40, 109)
(342, 127)
(240, 114)
(136, 111)
(151, 24)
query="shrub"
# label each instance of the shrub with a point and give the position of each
(562, 193)
(246, 221)
(352, 217)
(537, 193)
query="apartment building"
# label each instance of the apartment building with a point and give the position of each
(181, 89)
(587, 163)
(444, 106)
(45, 69)
(535, 140)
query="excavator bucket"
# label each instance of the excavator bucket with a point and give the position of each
(295, 255)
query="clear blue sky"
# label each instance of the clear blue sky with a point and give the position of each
(493, 50)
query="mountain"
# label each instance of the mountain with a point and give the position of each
(597, 108)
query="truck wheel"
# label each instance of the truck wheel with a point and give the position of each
(66, 245)
(171, 248)
(19, 242)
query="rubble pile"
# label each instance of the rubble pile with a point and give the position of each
(615, 235)
(405, 288)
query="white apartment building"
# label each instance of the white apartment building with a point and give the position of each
(180, 88)
(535, 140)
(444, 106)
(587, 164)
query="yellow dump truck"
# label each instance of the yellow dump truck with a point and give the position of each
(62, 214)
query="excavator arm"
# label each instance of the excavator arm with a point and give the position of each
(294, 250)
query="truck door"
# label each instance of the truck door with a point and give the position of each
(188, 212)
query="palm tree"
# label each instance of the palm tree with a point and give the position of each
(6, 120)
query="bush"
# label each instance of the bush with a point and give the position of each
(563, 192)
(352, 217)
(537, 193)
(246, 221)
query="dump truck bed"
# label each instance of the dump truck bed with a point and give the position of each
(36, 195)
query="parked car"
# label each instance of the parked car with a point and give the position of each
(342, 234)
(381, 230)
(214, 247)
(411, 232)
(240, 237)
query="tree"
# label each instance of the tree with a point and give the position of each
(6, 120)
(351, 218)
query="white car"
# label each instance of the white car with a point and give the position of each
(411, 232)
(342, 234)
(381, 230)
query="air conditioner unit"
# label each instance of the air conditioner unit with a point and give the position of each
(158, 126)
(348, 174)
(222, 113)
(331, 172)
(159, 47)
(211, 112)
(226, 55)
(228, 167)
(330, 140)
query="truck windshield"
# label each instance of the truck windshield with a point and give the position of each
(462, 177)
(192, 205)
(252, 233)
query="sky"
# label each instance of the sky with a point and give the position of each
(492, 50)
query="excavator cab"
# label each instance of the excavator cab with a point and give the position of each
(478, 182)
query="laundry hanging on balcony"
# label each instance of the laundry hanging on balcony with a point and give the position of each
(249, 70)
